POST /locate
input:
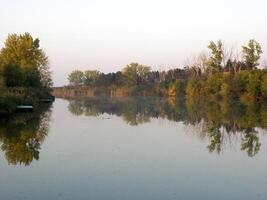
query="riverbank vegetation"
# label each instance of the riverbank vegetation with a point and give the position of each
(219, 75)
(25, 76)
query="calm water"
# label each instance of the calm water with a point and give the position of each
(135, 149)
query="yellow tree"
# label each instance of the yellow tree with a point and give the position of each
(24, 51)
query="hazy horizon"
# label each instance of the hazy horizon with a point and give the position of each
(107, 35)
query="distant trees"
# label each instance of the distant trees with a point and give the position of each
(76, 77)
(91, 77)
(23, 63)
(218, 76)
(132, 75)
(251, 54)
(135, 74)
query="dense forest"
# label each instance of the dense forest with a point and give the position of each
(219, 75)
(24, 72)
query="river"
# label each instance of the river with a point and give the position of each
(134, 149)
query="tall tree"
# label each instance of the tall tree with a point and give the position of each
(91, 77)
(135, 73)
(215, 61)
(251, 54)
(76, 77)
(24, 51)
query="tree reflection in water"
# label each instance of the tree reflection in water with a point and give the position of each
(21, 135)
(220, 122)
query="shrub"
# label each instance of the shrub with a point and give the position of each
(264, 86)
(193, 88)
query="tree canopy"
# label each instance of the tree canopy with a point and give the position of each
(251, 54)
(76, 77)
(135, 73)
(22, 58)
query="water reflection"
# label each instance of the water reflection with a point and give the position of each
(223, 124)
(21, 135)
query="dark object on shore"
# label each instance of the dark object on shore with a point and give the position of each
(47, 99)
(24, 108)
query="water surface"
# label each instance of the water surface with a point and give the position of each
(135, 148)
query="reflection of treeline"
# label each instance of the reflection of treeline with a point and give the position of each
(219, 122)
(21, 135)
(219, 75)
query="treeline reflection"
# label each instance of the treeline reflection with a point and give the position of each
(224, 124)
(21, 135)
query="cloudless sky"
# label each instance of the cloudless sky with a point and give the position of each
(108, 34)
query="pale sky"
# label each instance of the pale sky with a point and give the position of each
(108, 34)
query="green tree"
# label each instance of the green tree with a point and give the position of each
(14, 76)
(254, 84)
(32, 77)
(177, 88)
(251, 54)
(213, 85)
(264, 85)
(91, 77)
(215, 61)
(193, 89)
(135, 74)
(226, 91)
(24, 51)
(240, 82)
(76, 78)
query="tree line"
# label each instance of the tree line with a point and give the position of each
(219, 75)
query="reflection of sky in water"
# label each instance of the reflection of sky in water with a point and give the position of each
(105, 158)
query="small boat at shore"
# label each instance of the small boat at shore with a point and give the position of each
(24, 108)
(47, 99)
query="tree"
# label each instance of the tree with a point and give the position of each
(213, 85)
(251, 54)
(135, 74)
(25, 52)
(45, 76)
(253, 88)
(76, 77)
(193, 88)
(197, 63)
(91, 77)
(264, 85)
(214, 63)
(14, 76)
(32, 77)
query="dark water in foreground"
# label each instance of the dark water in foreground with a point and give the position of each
(135, 149)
